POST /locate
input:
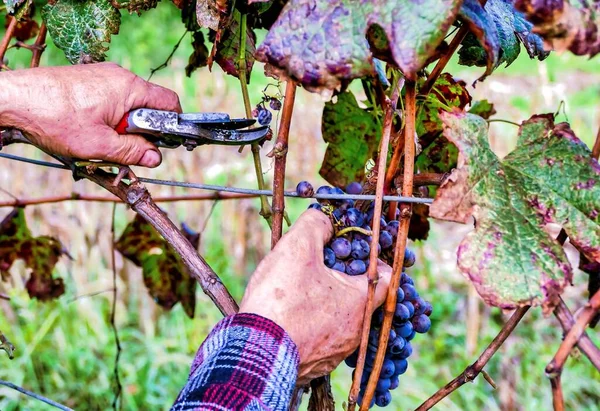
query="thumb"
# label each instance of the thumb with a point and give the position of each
(385, 276)
(126, 149)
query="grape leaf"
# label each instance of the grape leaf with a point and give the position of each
(211, 13)
(228, 47)
(11, 5)
(353, 135)
(165, 275)
(322, 43)
(549, 178)
(566, 25)
(497, 32)
(483, 108)
(27, 28)
(199, 57)
(81, 28)
(137, 6)
(40, 255)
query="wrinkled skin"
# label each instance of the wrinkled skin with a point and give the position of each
(321, 309)
(72, 111)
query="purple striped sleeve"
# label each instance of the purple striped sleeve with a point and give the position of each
(246, 363)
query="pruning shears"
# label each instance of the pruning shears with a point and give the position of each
(170, 129)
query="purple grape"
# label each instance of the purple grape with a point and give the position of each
(410, 306)
(304, 189)
(316, 206)
(421, 324)
(405, 329)
(346, 204)
(382, 223)
(399, 295)
(383, 399)
(409, 258)
(329, 257)
(400, 366)
(275, 104)
(387, 369)
(385, 240)
(394, 382)
(355, 267)
(397, 345)
(405, 279)
(264, 116)
(419, 304)
(324, 190)
(383, 385)
(392, 228)
(354, 218)
(341, 247)
(354, 188)
(410, 292)
(411, 336)
(339, 266)
(406, 352)
(360, 399)
(377, 319)
(360, 249)
(352, 359)
(401, 314)
(338, 214)
(428, 308)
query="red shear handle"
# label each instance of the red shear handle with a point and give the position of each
(123, 125)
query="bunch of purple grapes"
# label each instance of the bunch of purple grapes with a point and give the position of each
(349, 253)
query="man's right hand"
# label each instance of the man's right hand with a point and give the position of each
(72, 111)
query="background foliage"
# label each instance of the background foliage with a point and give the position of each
(65, 348)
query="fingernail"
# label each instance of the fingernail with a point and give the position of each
(150, 159)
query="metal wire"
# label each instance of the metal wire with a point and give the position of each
(211, 187)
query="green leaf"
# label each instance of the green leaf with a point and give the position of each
(165, 275)
(550, 177)
(82, 28)
(496, 35)
(353, 135)
(228, 47)
(322, 43)
(40, 255)
(138, 6)
(483, 108)
(565, 25)
(11, 5)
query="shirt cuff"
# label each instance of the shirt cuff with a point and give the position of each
(246, 362)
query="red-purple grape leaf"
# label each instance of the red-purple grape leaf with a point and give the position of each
(352, 135)
(165, 275)
(322, 43)
(199, 57)
(227, 53)
(565, 25)
(550, 177)
(40, 255)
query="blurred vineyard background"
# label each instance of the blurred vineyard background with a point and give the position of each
(66, 350)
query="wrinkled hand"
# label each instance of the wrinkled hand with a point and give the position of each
(72, 111)
(321, 309)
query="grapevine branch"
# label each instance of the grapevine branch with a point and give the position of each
(4, 297)
(372, 274)
(165, 64)
(265, 208)
(136, 195)
(472, 371)
(280, 152)
(10, 30)
(574, 334)
(585, 344)
(39, 46)
(405, 213)
(36, 396)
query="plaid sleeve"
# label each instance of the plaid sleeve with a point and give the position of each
(246, 363)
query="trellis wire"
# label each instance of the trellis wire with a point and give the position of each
(212, 187)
